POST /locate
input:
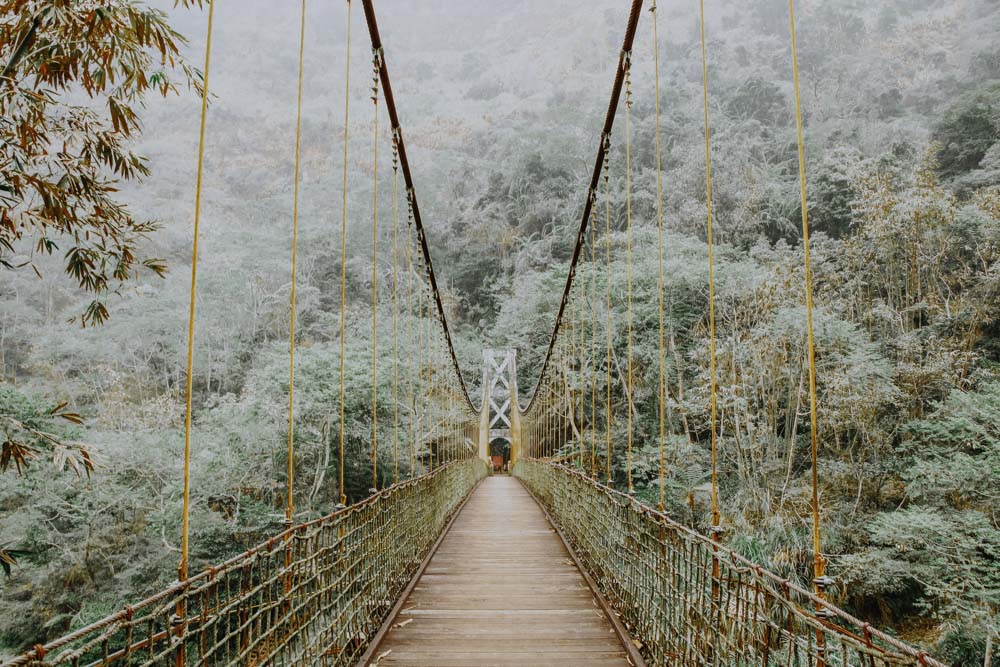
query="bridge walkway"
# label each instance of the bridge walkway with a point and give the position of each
(501, 589)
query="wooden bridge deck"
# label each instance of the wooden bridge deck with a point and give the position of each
(501, 590)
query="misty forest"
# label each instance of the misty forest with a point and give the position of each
(502, 103)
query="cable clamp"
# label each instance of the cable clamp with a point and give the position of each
(826, 612)
(626, 58)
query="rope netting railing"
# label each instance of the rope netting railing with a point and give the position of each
(691, 601)
(314, 594)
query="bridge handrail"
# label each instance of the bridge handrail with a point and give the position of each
(458, 480)
(829, 623)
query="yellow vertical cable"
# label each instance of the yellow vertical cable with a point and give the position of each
(290, 501)
(628, 252)
(422, 411)
(819, 562)
(430, 361)
(438, 401)
(607, 256)
(554, 408)
(581, 393)
(441, 404)
(456, 426)
(559, 417)
(568, 390)
(659, 227)
(593, 336)
(581, 390)
(182, 567)
(549, 430)
(568, 365)
(711, 275)
(431, 389)
(413, 340)
(343, 253)
(545, 421)
(395, 310)
(446, 439)
(377, 64)
(443, 401)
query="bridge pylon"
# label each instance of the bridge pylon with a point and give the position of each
(500, 416)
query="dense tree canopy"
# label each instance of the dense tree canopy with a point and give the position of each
(901, 119)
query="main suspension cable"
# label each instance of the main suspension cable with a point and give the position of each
(633, 19)
(404, 164)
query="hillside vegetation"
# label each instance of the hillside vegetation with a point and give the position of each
(501, 105)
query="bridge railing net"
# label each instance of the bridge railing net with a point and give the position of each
(658, 575)
(313, 595)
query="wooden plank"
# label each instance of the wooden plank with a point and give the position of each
(396, 608)
(501, 589)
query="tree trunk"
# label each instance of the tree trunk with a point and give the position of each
(321, 469)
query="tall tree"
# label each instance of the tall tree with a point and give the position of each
(63, 154)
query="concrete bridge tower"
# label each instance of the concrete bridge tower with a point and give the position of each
(500, 416)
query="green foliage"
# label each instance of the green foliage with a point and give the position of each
(65, 200)
(968, 130)
(904, 259)
(29, 429)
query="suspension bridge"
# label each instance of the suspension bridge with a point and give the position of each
(456, 563)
